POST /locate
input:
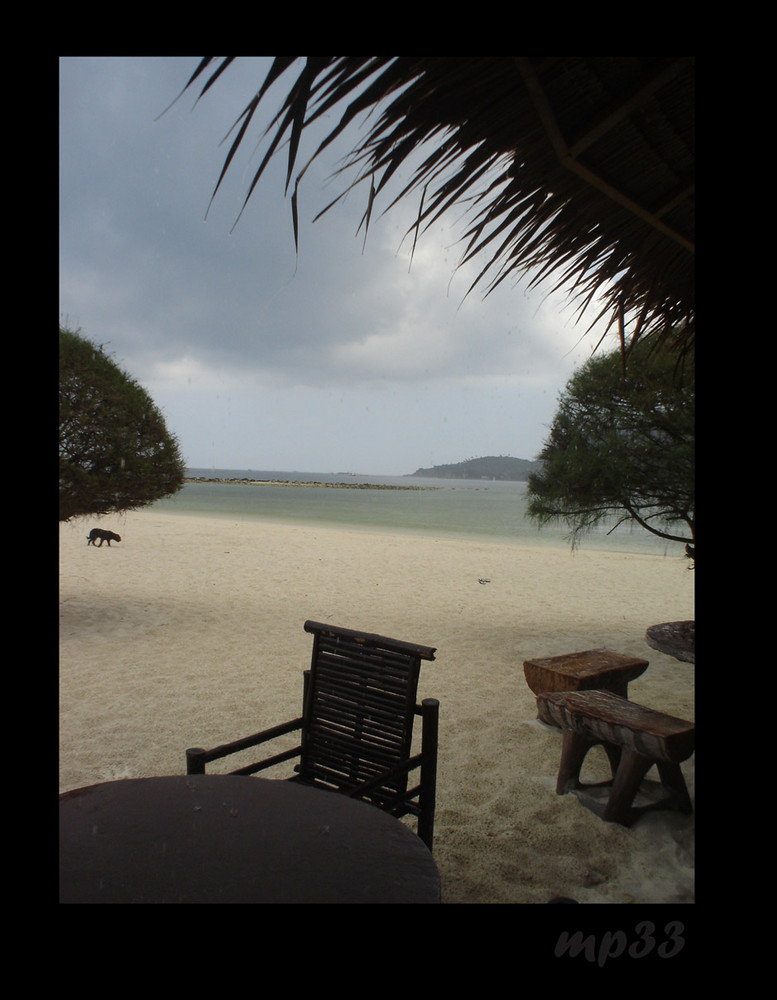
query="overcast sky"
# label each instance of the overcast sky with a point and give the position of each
(342, 357)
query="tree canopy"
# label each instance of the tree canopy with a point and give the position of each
(622, 445)
(115, 452)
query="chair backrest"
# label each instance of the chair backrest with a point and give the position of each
(360, 703)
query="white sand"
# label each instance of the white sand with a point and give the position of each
(189, 633)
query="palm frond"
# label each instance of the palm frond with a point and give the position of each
(577, 170)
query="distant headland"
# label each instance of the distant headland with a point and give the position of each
(501, 467)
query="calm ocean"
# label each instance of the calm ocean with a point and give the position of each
(462, 508)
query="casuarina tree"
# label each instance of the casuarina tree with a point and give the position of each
(621, 446)
(115, 451)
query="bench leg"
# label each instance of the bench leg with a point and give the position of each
(631, 773)
(672, 779)
(574, 747)
(573, 752)
(629, 769)
(632, 769)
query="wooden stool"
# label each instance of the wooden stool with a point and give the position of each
(634, 738)
(594, 669)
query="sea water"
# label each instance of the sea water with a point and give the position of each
(458, 508)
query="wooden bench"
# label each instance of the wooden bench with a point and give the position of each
(634, 738)
(592, 669)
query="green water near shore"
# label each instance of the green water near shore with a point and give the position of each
(472, 509)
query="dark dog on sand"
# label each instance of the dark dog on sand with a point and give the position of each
(104, 536)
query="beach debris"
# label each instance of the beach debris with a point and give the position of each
(484, 579)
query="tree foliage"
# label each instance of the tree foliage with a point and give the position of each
(115, 452)
(622, 444)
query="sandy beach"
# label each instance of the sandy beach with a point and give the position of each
(189, 633)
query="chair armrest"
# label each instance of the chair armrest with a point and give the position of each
(197, 758)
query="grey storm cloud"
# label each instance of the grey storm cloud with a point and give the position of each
(187, 302)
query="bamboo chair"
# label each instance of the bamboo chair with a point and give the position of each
(359, 706)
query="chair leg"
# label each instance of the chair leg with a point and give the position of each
(195, 760)
(427, 800)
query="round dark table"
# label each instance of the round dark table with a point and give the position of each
(227, 839)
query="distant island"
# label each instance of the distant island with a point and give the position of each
(502, 467)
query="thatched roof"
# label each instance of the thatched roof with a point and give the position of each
(577, 168)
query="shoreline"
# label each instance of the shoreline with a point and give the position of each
(541, 540)
(189, 632)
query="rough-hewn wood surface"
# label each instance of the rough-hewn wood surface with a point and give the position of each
(604, 716)
(599, 669)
